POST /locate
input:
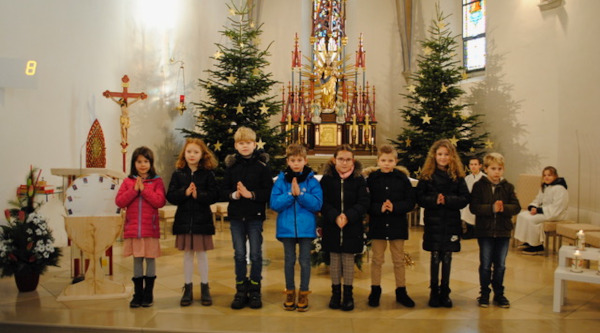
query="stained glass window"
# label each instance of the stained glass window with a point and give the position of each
(474, 34)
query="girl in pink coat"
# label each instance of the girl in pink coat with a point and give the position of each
(142, 194)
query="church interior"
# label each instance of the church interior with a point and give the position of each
(65, 66)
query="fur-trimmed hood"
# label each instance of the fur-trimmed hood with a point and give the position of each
(259, 155)
(329, 168)
(367, 171)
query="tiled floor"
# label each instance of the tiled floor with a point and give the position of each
(529, 287)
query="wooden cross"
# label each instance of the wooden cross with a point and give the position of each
(121, 98)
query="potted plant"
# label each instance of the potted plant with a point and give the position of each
(26, 242)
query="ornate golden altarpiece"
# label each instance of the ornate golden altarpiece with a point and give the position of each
(329, 102)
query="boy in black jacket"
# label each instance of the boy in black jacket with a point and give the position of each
(494, 202)
(247, 185)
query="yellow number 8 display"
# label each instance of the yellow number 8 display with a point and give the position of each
(30, 68)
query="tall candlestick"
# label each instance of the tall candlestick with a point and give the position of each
(581, 240)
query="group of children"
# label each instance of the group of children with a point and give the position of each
(344, 196)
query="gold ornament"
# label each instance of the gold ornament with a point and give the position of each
(422, 99)
(453, 140)
(218, 145)
(260, 144)
(256, 71)
(231, 79)
(472, 149)
(444, 88)
(230, 130)
(408, 142)
(239, 109)
(218, 55)
(264, 109)
(441, 25)
(257, 41)
(464, 75)
(232, 11)
(426, 119)
(489, 144)
(427, 51)
(412, 88)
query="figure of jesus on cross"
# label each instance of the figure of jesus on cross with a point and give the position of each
(122, 98)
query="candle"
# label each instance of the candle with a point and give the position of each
(181, 98)
(577, 263)
(581, 240)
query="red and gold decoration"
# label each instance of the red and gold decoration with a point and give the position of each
(330, 102)
(122, 98)
(95, 147)
(180, 88)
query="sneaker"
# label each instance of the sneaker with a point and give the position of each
(501, 301)
(524, 245)
(484, 300)
(534, 250)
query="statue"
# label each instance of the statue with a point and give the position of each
(340, 115)
(316, 113)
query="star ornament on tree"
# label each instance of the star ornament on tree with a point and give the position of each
(218, 145)
(232, 11)
(408, 141)
(453, 140)
(218, 55)
(256, 71)
(239, 109)
(444, 88)
(260, 144)
(426, 119)
(412, 88)
(264, 109)
(231, 79)
(489, 144)
(427, 51)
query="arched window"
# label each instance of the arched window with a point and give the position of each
(474, 35)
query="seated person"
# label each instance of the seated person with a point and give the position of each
(550, 204)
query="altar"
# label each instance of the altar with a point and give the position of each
(328, 102)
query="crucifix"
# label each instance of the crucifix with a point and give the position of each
(121, 98)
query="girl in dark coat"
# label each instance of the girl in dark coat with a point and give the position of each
(442, 192)
(193, 189)
(345, 203)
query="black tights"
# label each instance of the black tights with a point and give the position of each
(445, 257)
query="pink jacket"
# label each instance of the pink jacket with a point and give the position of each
(142, 207)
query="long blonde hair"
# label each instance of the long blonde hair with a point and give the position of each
(208, 160)
(455, 166)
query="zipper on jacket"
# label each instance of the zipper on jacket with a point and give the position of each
(342, 207)
(140, 216)
(295, 219)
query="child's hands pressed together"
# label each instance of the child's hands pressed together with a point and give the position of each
(243, 191)
(191, 190)
(341, 220)
(139, 184)
(498, 206)
(387, 206)
(441, 200)
(295, 187)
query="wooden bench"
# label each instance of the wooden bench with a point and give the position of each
(570, 230)
(550, 231)
(592, 238)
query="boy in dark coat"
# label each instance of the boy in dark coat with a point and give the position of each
(247, 184)
(494, 202)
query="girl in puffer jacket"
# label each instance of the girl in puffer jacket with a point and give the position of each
(442, 192)
(142, 194)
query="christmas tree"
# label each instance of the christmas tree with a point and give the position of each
(434, 111)
(238, 93)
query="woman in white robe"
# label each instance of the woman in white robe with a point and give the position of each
(550, 204)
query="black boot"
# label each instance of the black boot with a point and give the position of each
(148, 300)
(374, 296)
(205, 298)
(336, 296)
(187, 297)
(434, 269)
(254, 295)
(445, 300)
(403, 298)
(240, 299)
(138, 292)
(434, 297)
(348, 300)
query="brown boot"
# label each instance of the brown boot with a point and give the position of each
(290, 300)
(303, 301)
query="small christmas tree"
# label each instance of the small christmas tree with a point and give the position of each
(237, 93)
(433, 111)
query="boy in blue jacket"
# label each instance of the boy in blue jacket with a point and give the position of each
(296, 197)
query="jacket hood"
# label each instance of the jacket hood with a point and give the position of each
(367, 171)
(330, 168)
(259, 155)
(300, 176)
(558, 181)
